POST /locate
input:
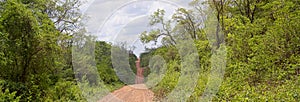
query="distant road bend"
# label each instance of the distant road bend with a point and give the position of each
(132, 93)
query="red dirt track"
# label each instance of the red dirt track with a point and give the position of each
(132, 93)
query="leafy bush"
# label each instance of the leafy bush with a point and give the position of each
(7, 96)
(64, 91)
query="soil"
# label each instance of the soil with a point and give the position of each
(130, 93)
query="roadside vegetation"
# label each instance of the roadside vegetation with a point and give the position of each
(261, 39)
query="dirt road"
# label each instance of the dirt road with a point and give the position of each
(130, 93)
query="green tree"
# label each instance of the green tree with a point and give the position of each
(31, 55)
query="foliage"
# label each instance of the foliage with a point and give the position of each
(104, 65)
(262, 45)
(70, 92)
(8, 96)
(7, 93)
(31, 59)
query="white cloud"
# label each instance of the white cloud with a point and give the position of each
(122, 21)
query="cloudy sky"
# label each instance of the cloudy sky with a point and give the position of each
(123, 20)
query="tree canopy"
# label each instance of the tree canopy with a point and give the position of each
(256, 43)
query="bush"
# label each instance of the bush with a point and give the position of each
(8, 96)
(64, 91)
